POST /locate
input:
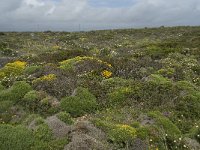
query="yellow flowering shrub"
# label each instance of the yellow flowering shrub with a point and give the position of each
(122, 133)
(106, 74)
(56, 47)
(49, 77)
(15, 68)
(70, 63)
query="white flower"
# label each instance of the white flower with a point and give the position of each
(174, 141)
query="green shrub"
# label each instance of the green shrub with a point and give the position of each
(39, 120)
(2, 88)
(171, 129)
(188, 103)
(104, 125)
(160, 50)
(167, 72)
(37, 101)
(189, 106)
(16, 92)
(142, 132)
(20, 138)
(65, 117)
(43, 133)
(195, 132)
(159, 80)
(31, 69)
(115, 82)
(15, 138)
(119, 96)
(158, 91)
(58, 144)
(8, 52)
(31, 100)
(5, 105)
(83, 102)
(122, 134)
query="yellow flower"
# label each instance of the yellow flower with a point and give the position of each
(106, 74)
(56, 47)
(15, 68)
(49, 77)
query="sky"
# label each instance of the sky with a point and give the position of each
(75, 15)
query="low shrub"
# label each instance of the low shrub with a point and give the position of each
(15, 138)
(122, 134)
(5, 105)
(43, 133)
(2, 88)
(31, 100)
(169, 130)
(31, 69)
(65, 117)
(119, 96)
(13, 69)
(195, 132)
(33, 117)
(16, 92)
(39, 102)
(83, 102)
(167, 72)
(160, 50)
(85, 65)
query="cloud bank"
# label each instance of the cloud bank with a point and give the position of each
(70, 15)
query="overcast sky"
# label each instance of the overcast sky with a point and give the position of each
(72, 15)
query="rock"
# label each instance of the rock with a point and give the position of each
(145, 120)
(81, 141)
(89, 129)
(85, 136)
(191, 144)
(138, 144)
(58, 127)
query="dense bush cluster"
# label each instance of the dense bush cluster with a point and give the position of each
(80, 103)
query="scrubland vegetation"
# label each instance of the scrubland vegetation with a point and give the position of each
(132, 89)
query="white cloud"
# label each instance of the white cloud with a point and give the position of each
(61, 14)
